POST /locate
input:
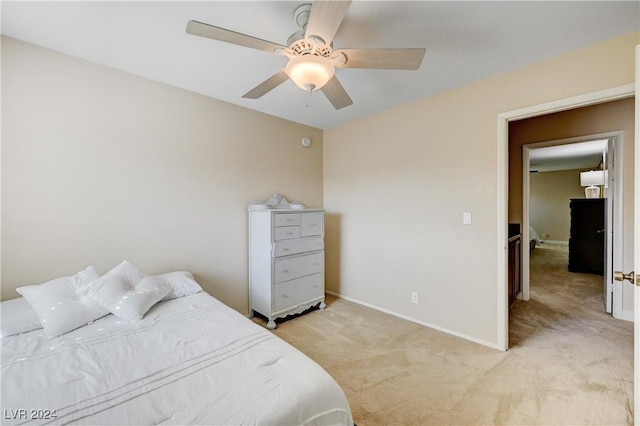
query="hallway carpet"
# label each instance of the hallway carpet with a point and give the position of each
(569, 363)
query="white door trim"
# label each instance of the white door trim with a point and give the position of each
(502, 214)
(613, 252)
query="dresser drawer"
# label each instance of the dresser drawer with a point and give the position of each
(298, 291)
(311, 224)
(288, 247)
(286, 219)
(286, 233)
(296, 267)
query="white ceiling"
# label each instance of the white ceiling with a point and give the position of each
(581, 155)
(465, 42)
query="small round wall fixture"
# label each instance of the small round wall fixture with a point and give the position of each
(306, 142)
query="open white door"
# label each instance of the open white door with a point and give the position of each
(610, 195)
(608, 239)
(633, 277)
(636, 250)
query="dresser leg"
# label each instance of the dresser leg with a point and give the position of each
(271, 325)
(322, 305)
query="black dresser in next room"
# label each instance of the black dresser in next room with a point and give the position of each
(586, 238)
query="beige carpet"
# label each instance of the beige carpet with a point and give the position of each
(569, 362)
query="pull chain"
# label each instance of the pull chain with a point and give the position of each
(310, 88)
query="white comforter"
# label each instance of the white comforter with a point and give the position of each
(191, 360)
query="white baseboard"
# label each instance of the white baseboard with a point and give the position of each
(556, 243)
(423, 323)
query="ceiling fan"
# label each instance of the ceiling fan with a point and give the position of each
(312, 60)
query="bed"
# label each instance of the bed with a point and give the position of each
(534, 239)
(189, 360)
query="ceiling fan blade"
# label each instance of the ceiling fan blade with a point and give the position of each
(266, 86)
(325, 18)
(205, 30)
(388, 59)
(336, 94)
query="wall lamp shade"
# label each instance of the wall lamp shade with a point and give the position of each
(592, 180)
(309, 72)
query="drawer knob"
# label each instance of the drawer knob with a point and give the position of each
(285, 271)
(285, 249)
(285, 296)
(316, 264)
(289, 233)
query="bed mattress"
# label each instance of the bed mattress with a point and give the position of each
(191, 360)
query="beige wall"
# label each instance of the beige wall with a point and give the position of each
(397, 183)
(549, 197)
(162, 177)
(99, 166)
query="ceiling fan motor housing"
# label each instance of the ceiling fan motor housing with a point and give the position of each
(309, 46)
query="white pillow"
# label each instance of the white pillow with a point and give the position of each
(58, 305)
(136, 302)
(126, 291)
(182, 284)
(17, 316)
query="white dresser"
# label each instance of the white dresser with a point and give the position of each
(286, 258)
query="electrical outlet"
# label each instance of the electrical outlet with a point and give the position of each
(414, 297)
(466, 218)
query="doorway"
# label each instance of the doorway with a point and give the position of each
(567, 157)
(503, 120)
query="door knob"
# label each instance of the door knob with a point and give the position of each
(619, 276)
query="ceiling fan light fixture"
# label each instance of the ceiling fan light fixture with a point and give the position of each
(312, 60)
(309, 71)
